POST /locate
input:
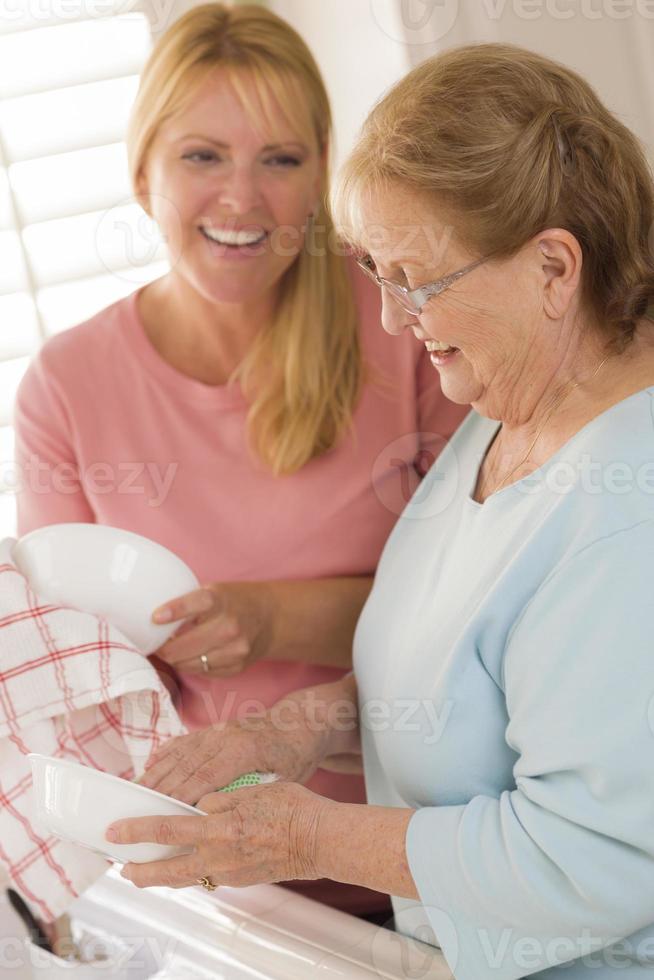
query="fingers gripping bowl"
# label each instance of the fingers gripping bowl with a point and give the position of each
(77, 804)
(108, 572)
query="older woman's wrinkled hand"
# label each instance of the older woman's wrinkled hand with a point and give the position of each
(251, 836)
(281, 740)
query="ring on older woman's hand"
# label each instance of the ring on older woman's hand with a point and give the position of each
(207, 883)
(204, 660)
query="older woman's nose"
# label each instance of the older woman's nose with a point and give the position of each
(395, 320)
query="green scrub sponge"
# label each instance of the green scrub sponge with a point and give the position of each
(249, 779)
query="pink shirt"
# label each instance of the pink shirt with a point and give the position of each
(109, 432)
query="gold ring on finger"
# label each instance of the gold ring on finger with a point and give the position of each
(207, 883)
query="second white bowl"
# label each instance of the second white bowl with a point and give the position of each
(77, 804)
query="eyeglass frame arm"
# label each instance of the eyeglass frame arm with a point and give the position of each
(419, 296)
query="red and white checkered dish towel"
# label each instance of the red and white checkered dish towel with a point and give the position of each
(70, 686)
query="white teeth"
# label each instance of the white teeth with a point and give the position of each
(434, 345)
(225, 237)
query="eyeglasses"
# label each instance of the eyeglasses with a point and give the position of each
(413, 300)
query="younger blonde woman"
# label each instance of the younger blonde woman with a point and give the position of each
(245, 410)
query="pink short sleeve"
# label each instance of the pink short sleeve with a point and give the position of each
(49, 489)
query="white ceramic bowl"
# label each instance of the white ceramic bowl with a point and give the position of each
(77, 804)
(106, 571)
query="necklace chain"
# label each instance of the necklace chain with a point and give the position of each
(549, 415)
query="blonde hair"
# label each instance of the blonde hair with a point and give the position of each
(303, 373)
(510, 143)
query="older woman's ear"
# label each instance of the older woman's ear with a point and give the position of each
(560, 261)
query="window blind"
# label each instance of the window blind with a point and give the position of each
(71, 237)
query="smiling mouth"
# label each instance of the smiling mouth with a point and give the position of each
(229, 238)
(435, 347)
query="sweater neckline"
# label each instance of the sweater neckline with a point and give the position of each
(537, 479)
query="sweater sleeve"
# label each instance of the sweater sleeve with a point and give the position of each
(562, 865)
(50, 489)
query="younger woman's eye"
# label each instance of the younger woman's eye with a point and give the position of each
(284, 160)
(200, 156)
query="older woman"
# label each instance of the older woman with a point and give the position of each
(244, 410)
(503, 662)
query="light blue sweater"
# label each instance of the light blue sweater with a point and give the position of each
(505, 663)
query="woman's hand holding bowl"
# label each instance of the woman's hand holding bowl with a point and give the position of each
(226, 626)
(250, 836)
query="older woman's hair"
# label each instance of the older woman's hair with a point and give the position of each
(510, 143)
(303, 375)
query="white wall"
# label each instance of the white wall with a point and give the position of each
(359, 56)
(609, 42)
